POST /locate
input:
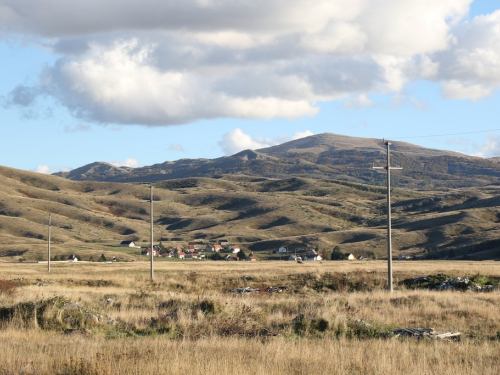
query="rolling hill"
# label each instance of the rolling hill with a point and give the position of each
(258, 213)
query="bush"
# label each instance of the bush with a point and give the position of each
(7, 287)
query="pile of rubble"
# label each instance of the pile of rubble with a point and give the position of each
(426, 333)
(266, 289)
(456, 283)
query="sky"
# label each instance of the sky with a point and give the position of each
(135, 83)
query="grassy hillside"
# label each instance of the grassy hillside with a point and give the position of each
(259, 214)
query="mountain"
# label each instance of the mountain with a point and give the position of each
(319, 156)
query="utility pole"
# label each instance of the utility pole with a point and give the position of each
(389, 241)
(48, 246)
(151, 273)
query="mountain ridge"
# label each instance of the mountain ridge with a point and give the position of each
(318, 156)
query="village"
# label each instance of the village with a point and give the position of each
(223, 250)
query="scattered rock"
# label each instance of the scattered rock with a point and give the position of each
(266, 289)
(363, 323)
(76, 331)
(91, 318)
(426, 333)
(71, 306)
(244, 290)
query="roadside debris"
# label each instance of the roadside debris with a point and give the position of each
(426, 333)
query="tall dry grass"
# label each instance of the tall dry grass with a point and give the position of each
(186, 321)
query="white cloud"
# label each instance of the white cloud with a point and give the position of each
(176, 147)
(45, 169)
(164, 63)
(455, 89)
(298, 135)
(76, 128)
(470, 68)
(236, 141)
(488, 149)
(129, 162)
(359, 101)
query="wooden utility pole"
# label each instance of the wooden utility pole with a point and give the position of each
(151, 272)
(389, 240)
(151, 231)
(48, 246)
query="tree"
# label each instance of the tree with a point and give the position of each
(337, 254)
(102, 258)
(241, 255)
(216, 256)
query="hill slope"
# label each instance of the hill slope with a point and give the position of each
(260, 214)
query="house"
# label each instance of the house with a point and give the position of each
(168, 254)
(181, 254)
(234, 249)
(147, 251)
(197, 245)
(129, 244)
(294, 257)
(231, 257)
(215, 248)
(312, 257)
(282, 249)
(189, 248)
(223, 242)
(350, 256)
(188, 256)
(252, 258)
(404, 257)
(72, 258)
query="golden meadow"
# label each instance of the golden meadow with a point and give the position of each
(331, 317)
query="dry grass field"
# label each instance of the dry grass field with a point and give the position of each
(330, 318)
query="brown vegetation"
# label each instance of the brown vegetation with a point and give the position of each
(332, 317)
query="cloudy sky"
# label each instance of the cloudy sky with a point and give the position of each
(141, 82)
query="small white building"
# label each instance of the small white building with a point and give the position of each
(234, 249)
(350, 256)
(294, 257)
(282, 249)
(129, 244)
(315, 257)
(72, 258)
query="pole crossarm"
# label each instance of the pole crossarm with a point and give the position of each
(388, 168)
